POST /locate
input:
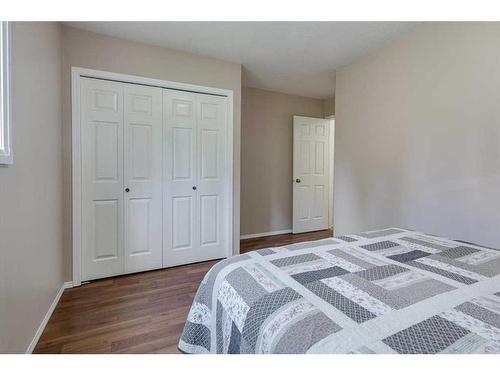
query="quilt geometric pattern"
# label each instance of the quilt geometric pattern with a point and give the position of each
(385, 291)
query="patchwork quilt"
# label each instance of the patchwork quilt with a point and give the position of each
(387, 291)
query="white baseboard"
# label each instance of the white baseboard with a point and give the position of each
(39, 331)
(264, 234)
(68, 284)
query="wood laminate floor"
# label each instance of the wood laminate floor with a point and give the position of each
(139, 313)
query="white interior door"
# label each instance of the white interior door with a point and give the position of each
(102, 178)
(121, 139)
(142, 177)
(311, 139)
(196, 214)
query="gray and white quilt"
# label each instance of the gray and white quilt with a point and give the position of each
(387, 291)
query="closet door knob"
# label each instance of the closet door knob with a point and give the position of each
(127, 190)
(194, 187)
(297, 180)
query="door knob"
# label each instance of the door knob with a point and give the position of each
(297, 180)
(127, 190)
(194, 187)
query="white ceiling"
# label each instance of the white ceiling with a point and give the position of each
(292, 57)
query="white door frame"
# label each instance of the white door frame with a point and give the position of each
(76, 74)
(332, 169)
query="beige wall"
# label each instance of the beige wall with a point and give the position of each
(94, 51)
(418, 135)
(266, 157)
(31, 221)
(329, 106)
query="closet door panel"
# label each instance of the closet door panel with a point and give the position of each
(102, 178)
(212, 180)
(182, 225)
(105, 230)
(209, 158)
(182, 154)
(195, 177)
(209, 220)
(142, 177)
(180, 204)
(195, 202)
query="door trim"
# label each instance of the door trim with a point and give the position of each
(76, 74)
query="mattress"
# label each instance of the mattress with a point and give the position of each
(386, 291)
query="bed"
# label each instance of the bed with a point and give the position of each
(386, 291)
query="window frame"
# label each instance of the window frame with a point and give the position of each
(6, 155)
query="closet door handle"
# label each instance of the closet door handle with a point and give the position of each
(127, 190)
(194, 187)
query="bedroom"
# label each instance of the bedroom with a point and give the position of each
(345, 172)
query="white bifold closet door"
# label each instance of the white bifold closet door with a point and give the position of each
(121, 147)
(196, 217)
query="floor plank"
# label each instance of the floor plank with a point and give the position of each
(139, 313)
(282, 239)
